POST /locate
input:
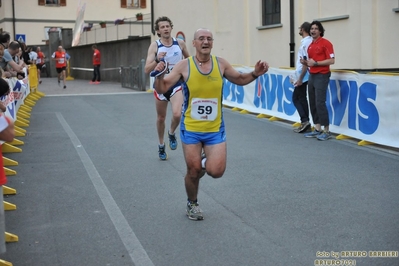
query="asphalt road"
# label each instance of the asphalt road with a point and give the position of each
(92, 191)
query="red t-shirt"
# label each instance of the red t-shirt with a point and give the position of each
(96, 57)
(61, 59)
(319, 50)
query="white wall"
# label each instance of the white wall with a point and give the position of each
(366, 40)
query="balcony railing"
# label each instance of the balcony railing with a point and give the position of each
(130, 28)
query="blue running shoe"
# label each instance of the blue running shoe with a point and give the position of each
(312, 134)
(162, 153)
(172, 141)
(324, 136)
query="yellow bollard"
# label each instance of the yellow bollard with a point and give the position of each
(9, 191)
(9, 206)
(11, 237)
(33, 82)
(5, 263)
(68, 77)
(9, 162)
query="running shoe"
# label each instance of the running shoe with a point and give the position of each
(303, 127)
(64, 86)
(324, 136)
(312, 134)
(59, 84)
(172, 141)
(194, 212)
(92, 82)
(162, 153)
(97, 82)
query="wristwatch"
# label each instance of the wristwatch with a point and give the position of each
(315, 63)
(156, 59)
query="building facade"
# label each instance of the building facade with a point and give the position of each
(31, 20)
(363, 32)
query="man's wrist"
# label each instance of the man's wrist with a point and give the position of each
(156, 60)
(253, 75)
(315, 63)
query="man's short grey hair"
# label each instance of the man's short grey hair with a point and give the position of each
(196, 32)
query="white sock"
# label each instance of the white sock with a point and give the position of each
(203, 161)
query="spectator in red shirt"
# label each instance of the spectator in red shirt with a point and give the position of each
(96, 65)
(321, 56)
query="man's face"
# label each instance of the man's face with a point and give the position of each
(60, 49)
(314, 31)
(13, 52)
(203, 41)
(300, 31)
(164, 29)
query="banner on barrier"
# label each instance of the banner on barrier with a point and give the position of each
(19, 91)
(360, 106)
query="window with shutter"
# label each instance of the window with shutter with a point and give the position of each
(133, 3)
(52, 2)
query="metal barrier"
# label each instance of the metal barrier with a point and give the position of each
(133, 77)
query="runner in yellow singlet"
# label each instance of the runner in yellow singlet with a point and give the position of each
(202, 125)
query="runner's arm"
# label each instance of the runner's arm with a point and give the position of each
(242, 79)
(163, 83)
(150, 63)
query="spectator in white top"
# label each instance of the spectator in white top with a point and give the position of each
(32, 55)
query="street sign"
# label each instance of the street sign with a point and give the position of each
(21, 38)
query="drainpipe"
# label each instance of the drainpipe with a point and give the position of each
(152, 17)
(13, 19)
(292, 34)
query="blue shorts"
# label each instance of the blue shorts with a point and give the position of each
(188, 137)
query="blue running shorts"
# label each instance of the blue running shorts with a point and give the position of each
(188, 137)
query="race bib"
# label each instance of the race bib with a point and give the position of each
(61, 60)
(38, 61)
(204, 109)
